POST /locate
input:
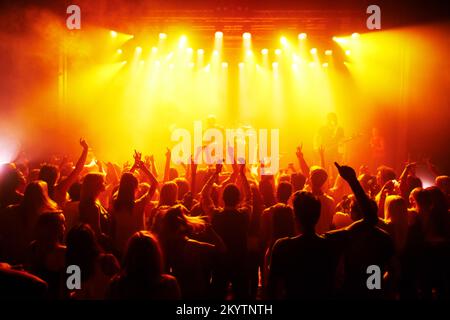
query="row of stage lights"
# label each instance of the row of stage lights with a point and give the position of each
(246, 36)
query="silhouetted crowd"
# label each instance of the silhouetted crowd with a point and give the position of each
(222, 231)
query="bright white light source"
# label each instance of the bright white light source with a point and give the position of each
(246, 35)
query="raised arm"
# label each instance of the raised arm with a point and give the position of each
(64, 185)
(167, 165)
(409, 169)
(245, 185)
(206, 201)
(192, 176)
(349, 175)
(151, 164)
(302, 162)
(138, 163)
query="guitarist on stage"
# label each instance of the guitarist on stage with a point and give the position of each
(329, 139)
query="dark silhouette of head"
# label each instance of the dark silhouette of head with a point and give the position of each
(93, 184)
(168, 195)
(413, 182)
(384, 174)
(307, 211)
(421, 198)
(231, 195)
(36, 199)
(143, 260)
(266, 188)
(298, 181)
(173, 174)
(318, 177)
(82, 249)
(177, 223)
(75, 191)
(284, 192)
(183, 187)
(10, 179)
(443, 183)
(49, 173)
(126, 193)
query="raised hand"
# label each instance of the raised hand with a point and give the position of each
(137, 157)
(168, 153)
(219, 166)
(346, 172)
(299, 152)
(411, 167)
(84, 144)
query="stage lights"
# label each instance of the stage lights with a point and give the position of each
(183, 40)
(283, 55)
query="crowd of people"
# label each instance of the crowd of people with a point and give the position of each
(221, 231)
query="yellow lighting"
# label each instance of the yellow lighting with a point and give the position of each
(218, 35)
(313, 51)
(283, 41)
(113, 34)
(265, 51)
(328, 52)
(246, 36)
(162, 36)
(278, 52)
(119, 51)
(355, 35)
(302, 36)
